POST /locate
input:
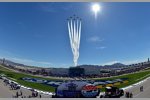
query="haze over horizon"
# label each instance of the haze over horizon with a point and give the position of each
(37, 34)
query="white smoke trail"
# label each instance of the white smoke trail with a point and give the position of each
(74, 28)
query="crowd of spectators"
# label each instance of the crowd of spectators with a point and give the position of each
(111, 71)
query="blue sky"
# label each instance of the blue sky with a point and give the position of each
(37, 34)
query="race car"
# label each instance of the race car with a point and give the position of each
(112, 92)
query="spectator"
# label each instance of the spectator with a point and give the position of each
(17, 94)
(131, 95)
(36, 94)
(21, 93)
(141, 89)
(29, 96)
(127, 95)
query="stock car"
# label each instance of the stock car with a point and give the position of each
(112, 92)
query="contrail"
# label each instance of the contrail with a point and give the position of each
(74, 28)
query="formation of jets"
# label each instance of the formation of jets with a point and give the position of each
(74, 18)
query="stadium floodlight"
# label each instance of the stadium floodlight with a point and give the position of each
(74, 28)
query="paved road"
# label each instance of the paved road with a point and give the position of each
(136, 90)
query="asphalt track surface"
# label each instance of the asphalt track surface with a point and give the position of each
(5, 91)
(136, 89)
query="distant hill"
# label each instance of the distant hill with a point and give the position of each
(12, 63)
(115, 65)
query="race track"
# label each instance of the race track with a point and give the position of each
(136, 90)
